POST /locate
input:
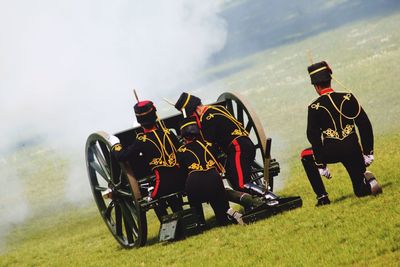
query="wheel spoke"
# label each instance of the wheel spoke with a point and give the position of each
(100, 188)
(108, 210)
(135, 216)
(239, 113)
(105, 152)
(99, 170)
(113, 166)
(124, 193)
(118, 219)
(102, 162)
(116, 172)
(129, 232)
(129, 220)
(229, 106)
(249, 126)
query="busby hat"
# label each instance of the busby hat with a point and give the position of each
(188, 103)
(145, 112)
(320, 73)
(189, 127)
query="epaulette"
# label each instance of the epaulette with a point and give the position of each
(314, 100)
(117, 147)
(141, 137)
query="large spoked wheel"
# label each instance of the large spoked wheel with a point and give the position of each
(113, 193)
(243, 112)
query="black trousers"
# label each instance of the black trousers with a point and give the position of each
(240, 157)
(168, 180)
(207, 186)
(348, 152)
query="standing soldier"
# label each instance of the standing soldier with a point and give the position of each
(331, 130)
(157, 145)
(221, 129)
(204, 182)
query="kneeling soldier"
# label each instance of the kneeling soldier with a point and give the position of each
(204, 182)
(221, 129)
(331, 130)
(157, 145)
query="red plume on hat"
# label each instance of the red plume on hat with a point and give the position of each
(145, 111)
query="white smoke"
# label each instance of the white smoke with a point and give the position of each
(67, 68)
(14, 208)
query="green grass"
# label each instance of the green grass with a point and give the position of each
(351, 231)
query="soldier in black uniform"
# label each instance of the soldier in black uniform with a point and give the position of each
(204, 182)
(331, 130)
(220, 128)
(158, 146)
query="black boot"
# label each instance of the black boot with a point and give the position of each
(323, 200)
(370, 179)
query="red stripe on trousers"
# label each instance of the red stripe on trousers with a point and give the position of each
(238, 165)
(306, 152)
(154, 193)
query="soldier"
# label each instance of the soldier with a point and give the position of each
(331, 130)
(157, 145)
(204, 182)
(219, 127)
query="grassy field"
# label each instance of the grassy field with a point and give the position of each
(351, 231)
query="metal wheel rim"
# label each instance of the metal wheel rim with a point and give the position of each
(123, 215)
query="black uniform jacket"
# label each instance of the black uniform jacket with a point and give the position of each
(158, 147)
(332, 117)
(219, 126)
(198, 156)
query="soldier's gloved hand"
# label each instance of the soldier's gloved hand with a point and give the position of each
(325, 172)
(113, 140)
(368, 159)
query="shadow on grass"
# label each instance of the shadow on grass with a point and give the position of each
(210, 224)
(342, 198)
(153, 240)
